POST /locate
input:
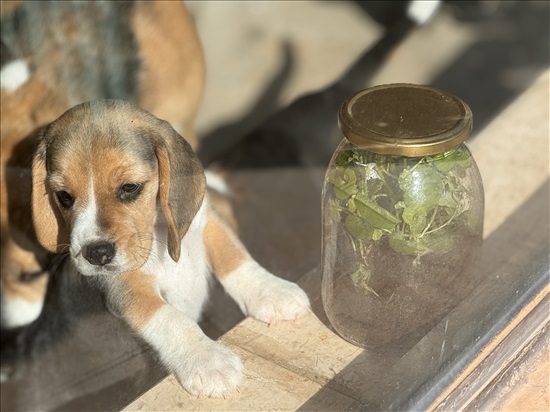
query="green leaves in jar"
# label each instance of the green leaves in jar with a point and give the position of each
(414, 203)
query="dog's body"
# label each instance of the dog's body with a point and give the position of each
(56, 54)
(59, 54)
(125, 195)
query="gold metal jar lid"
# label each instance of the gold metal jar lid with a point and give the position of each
(405, 120)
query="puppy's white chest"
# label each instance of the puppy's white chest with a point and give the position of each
(183, 284)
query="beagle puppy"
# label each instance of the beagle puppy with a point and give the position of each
(56, 54)
(124, 194)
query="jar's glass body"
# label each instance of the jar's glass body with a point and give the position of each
(399, 238)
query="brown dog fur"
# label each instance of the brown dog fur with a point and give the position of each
(169, 84)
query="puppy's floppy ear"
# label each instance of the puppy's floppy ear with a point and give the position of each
(51, 229)
(182, 183)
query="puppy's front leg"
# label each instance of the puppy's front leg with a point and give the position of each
(202, 366)
(257, 292)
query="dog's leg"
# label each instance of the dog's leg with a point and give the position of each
(257, 292)
(202, 366)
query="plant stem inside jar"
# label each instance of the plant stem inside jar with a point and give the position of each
(413, 204)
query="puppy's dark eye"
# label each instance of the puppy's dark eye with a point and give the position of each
(129, 191)
(65, 199)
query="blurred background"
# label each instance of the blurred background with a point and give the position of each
(306, 46)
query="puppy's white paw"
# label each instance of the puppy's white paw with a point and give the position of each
(280, 300)
(213, 370)
(265, 296)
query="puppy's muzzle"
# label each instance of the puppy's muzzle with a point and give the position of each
(100, 253)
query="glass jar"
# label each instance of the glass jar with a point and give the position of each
(402, 211)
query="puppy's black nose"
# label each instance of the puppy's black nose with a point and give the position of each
(99, 254)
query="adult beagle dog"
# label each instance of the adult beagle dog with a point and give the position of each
(124, 194)
(56, 54)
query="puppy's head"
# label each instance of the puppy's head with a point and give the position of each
(99, 172)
